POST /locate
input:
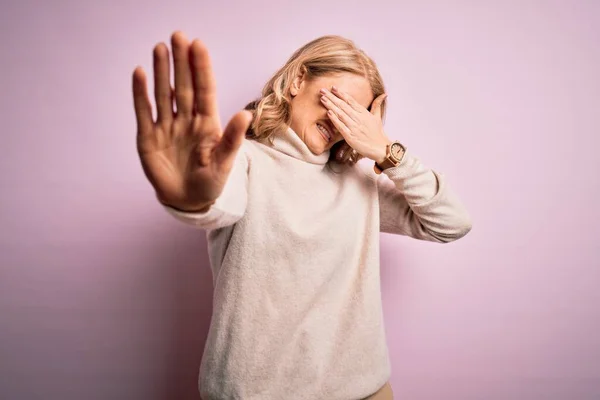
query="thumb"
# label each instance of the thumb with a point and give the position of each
(376, 107)
(232, 139)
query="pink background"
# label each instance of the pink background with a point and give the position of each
(105, 296)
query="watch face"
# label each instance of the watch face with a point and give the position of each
(396, 150)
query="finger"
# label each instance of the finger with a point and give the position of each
(184, 91)
(141, 101)
(341, 126)
(232, 139)
(340, 106)
(162, 86)
(205, 86)
(376, 105)
(347, 99)
(342, 116)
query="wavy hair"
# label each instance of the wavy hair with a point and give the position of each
(326, 55)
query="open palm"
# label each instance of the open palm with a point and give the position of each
(184, 152)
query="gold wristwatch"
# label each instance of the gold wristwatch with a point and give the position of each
(394, 154)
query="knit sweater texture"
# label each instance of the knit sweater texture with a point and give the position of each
(294, 251)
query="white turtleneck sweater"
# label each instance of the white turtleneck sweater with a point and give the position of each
(294, 252)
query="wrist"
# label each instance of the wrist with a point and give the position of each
(394, 155)
(197, 208)
(202, 208)
(382, 151)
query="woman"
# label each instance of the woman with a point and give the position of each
(292, 221)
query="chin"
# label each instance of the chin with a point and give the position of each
(315, 141)
(317, 150)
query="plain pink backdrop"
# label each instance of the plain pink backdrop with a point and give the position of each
(105, 296)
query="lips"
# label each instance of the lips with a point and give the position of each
(327, 127)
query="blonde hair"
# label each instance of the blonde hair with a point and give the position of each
(323, 56)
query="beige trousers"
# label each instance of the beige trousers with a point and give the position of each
(385, 393)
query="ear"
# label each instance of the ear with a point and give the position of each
(297, 83)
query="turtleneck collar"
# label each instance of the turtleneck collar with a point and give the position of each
(288, 142)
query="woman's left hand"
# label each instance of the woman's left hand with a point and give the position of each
(362, 130)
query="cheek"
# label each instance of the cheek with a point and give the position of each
(312, 115)
(308, 112)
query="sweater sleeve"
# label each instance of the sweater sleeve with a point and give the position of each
(417, 201)
(230, 206)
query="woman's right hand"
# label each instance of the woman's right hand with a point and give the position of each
(184, 153)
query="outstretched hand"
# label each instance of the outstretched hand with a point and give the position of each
(184, 152)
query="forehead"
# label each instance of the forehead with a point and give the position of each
(355, 85)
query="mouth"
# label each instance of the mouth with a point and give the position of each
(326, 131)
